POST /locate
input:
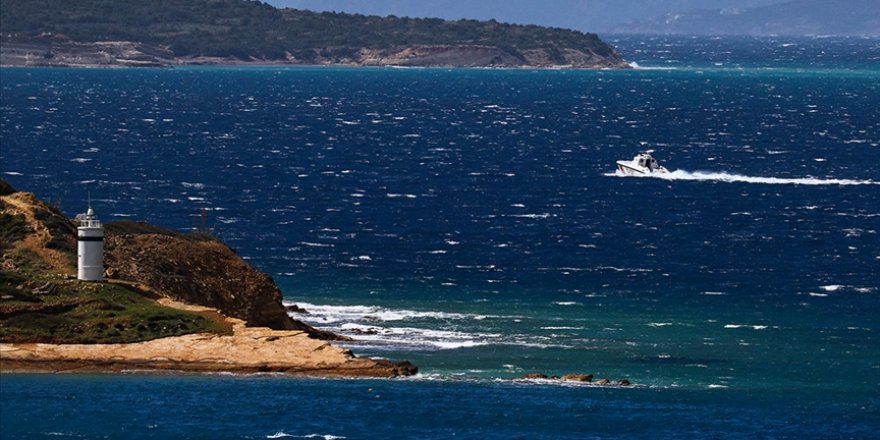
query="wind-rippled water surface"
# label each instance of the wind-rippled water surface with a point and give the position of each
(472, 222)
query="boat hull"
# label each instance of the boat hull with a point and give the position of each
(630, 169)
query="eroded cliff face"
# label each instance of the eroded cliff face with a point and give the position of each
(197, 269)
(129, 54)
(482, 56)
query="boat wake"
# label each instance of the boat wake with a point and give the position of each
(737, 178)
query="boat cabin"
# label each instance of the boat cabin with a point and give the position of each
(645, 160)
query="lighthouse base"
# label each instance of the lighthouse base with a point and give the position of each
(90, 273)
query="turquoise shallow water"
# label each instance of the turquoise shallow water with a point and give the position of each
(471, 222)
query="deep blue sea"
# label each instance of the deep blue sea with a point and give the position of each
(471, 221)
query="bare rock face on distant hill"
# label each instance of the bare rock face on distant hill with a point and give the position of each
(197, 269)
(49, 53)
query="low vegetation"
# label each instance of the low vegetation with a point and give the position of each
(39, 306)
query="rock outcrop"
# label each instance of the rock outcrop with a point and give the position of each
(532, 376)
(573, 377)
(578, 377)
(198, 269)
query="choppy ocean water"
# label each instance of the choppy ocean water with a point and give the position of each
(471, 221)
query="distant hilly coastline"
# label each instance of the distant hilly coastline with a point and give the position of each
(155, 33)
(800, 17)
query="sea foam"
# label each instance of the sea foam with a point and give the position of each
(334, 314)
(378, 328)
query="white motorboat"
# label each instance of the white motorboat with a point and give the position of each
(641, 165)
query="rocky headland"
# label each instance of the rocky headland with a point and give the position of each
(172, 301)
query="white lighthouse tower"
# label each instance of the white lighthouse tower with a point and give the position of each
(89, 247)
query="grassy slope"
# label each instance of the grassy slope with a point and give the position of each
(40, 304)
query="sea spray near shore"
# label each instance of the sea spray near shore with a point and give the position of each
(385, 329)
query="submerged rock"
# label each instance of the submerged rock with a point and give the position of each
(574, 377)
(534, 376)
(578, 377)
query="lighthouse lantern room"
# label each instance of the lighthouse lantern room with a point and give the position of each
(90, 247)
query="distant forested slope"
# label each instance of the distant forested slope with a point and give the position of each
(246, 29)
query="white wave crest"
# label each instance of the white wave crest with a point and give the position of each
(707, 176)
(753, 327)
(636, 66)
(842, 288)
(413, 338)
(332, 314)
(373, 327)
(282, 434)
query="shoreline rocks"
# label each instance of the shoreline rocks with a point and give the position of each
(574, 377)
(578, 377)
